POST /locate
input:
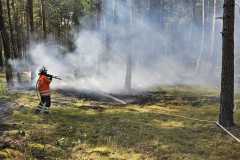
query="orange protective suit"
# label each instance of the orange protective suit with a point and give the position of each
(43, 85)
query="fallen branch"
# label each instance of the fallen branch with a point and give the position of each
(234, 137)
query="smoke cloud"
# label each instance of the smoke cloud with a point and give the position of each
(163, 52)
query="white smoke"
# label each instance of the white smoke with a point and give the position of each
(160, 55)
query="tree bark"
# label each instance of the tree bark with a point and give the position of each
(1, 55)
(17, 27)
(11, 30)
(227, 84)
(6, 48)
(44, 26)
(30, 14)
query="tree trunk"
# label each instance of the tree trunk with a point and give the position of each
(211, 59)
(30, 14)
(11, 30)
(115, 12)
(98, 14)
(1, 55)
(227, 83)
(59, 28)
(17, 30)
(198, 65)
(128, 79)
(213, 29)
(25, 34)
(44, 26)
(6, 48)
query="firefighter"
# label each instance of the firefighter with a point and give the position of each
(43, 87)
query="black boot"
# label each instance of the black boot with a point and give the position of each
(39, 109)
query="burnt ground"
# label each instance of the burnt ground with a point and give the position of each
(99, 101)
(142, 98)
(174, 97)
(157, 97)
(88, 95)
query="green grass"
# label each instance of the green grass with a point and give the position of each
(132, 132)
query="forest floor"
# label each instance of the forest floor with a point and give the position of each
(160, 125)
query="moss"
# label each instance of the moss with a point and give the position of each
(36, 146)
(3, 155)
(37, 150)
(10, 154)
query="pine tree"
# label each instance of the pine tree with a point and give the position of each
(227, 83)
